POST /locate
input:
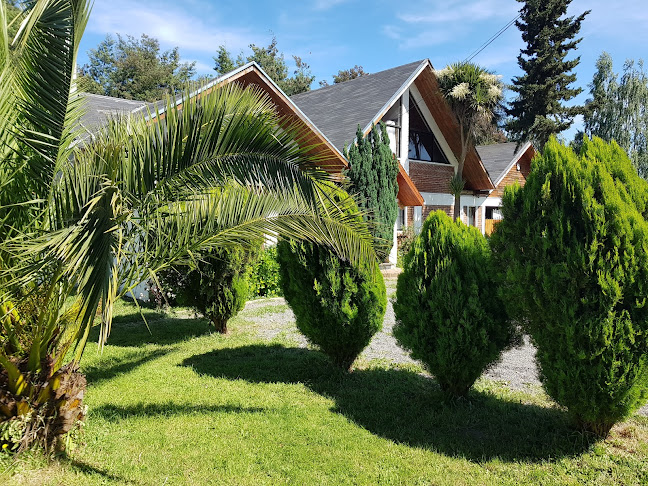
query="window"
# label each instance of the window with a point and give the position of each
(494, 213)
(400, 221)
(422, 143)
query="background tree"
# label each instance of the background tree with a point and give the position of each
(538, 110)
(373, 174)
(134, 69)
(618, 109)
(13, 13)
(473, 95)
(346, 75)
(273, 64)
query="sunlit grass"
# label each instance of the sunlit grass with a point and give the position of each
(179, 405)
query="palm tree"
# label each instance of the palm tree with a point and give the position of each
(82, 223)
(473, 94)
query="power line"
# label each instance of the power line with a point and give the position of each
(491, 39)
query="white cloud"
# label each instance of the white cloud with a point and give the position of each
(170, 25)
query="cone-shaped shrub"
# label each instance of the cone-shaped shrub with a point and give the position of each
(338, 306)
(218, 285)
(448, 313)
(573, 250)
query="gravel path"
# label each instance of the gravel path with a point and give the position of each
(517, 368)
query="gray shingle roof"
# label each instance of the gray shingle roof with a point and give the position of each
(497, 158)
(337, 110)
(99, 109)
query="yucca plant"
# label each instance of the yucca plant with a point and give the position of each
(82, 223)
(473, 94)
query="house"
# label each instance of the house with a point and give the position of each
(424, 135)
(507, 164)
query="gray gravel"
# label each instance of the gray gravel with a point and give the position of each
(517, 369)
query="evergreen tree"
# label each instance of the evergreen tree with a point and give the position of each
(538, 111)
(374, 173)
(618, 109)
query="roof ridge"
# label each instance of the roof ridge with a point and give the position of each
(85, 93)
(365, 77)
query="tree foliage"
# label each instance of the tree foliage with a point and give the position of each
(338, 305)
(538, 111)
(373, 174)
(474, 96)
(572, 250)
(273, 64)
(134, 69)
(344, 75)
(618, 109)
(448, 313)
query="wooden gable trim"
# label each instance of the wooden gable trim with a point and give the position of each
(527, 149)
(325, 154)
(408, 194)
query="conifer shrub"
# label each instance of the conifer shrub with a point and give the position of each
(217, 286)
(338, 306)
(264, 278)
(448, 313)
(572, 250)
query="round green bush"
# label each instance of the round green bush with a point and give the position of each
(448, 313)
(337, 306)
(573, 253)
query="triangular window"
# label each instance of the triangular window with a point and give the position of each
(423, 145)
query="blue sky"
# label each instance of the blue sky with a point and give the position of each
(336, 34)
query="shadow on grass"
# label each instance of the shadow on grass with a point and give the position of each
(131, 330)
(113, 413)
(408, 408)
(94, 471)
(102, 371)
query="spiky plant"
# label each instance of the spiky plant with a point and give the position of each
(86, 222)
(473, 94)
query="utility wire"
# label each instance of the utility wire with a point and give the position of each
(491, 39)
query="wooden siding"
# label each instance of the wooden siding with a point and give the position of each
(514, 175)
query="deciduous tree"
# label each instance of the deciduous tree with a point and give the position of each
(346, 75)
(618, 109)
(134, 69)
(273, 64)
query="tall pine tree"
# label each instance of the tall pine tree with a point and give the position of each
(538, 111)
(374, 173)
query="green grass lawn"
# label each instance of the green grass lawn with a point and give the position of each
(179, 405)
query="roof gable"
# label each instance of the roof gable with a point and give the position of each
(338, 109)
(498, 158)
